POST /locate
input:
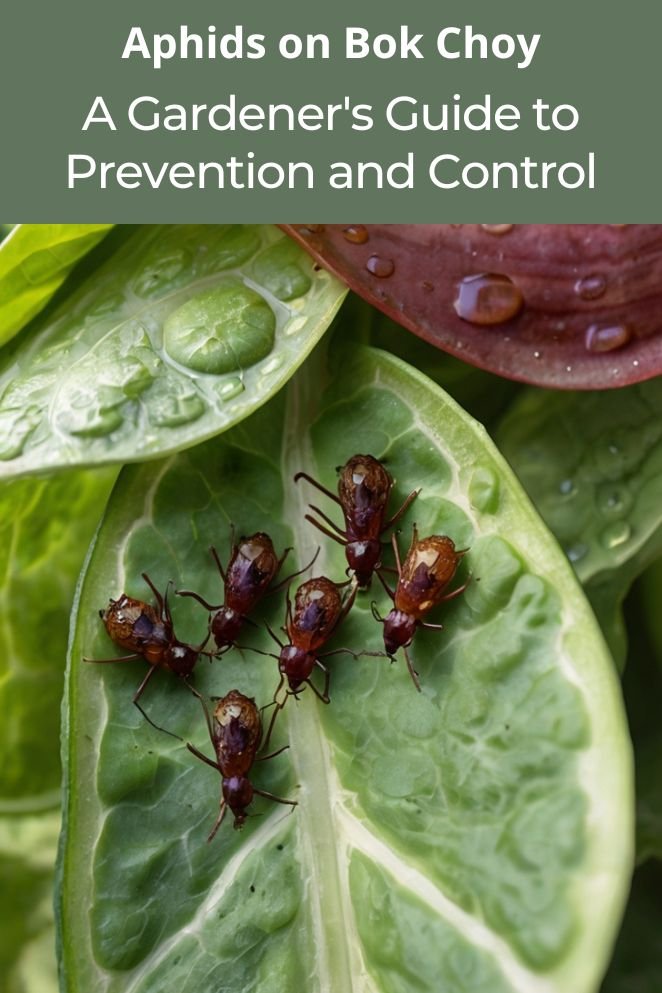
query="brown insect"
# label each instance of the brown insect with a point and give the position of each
(252, 567)
(428, 568)
(235, 731)
(364, 486)
(147, 632)
(318, 610)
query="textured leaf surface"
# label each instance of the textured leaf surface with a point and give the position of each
(181, 333)
(45, 529)
(34, 262)
(572, 306)
(592, 464)
(474, 837)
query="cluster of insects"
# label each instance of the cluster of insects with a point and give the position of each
(320, 605)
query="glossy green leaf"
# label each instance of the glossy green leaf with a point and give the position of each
(181, 333)
(474, 837)
(34, 262)
(45, 529)
(592, 464)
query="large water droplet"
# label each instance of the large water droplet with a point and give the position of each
(222, 330)
(591, 287)
(484, 490)
(604, 338)
(497, 228)
(615, 534)
(380, 266)
(357, 234)
(488, 298)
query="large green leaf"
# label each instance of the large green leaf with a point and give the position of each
(182, 332)
(592, 464)
(474, 837)
(45, 529)
(34, 262)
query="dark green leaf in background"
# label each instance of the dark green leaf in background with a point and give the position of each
(592, 464)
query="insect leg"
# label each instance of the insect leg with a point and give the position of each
(412, 671)
(454, 593)
(320, 527)
(318, 486)
(136, 698)
(217, 559)
(285, 582)
(388, 589)
(403, 509)
(157, 595)
(218, 822)
(324, 697)
(118, 658)
(203, 758)
(272, 755)
(278, 799)
(328, 520)
(196, 596)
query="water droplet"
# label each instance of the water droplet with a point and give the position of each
(567, 487)
(497, 228)
(271, 366)
(591, 287)
(231, 388)
(568, 368)
(604, 338)
(294, 326)
(613, 500)
(635, 362)
(484, 489)
(221, 330)
(615, 534)
(357, 234)
(576, 552)
(488, 298)
(537, 355)
(380, 266)
(311, 229)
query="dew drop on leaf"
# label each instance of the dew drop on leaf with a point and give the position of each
(488, 298)
(484, 490)
(222, 330)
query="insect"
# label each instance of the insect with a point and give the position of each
(428, 568)
(252, 567)
(235, 731)
(147, 632)
(364, 486)
(318, 610)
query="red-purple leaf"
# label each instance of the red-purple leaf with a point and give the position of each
(572, 306)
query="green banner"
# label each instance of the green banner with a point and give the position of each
(419, 112)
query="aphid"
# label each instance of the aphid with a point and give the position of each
(148, 633)
(428, 568)
(364, 486)
(252, 567)
(236, 733)
(318, 610)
